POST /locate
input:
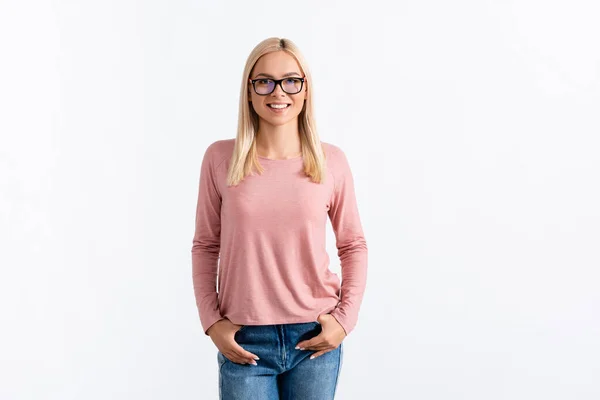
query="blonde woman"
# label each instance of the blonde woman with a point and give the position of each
(280, 315)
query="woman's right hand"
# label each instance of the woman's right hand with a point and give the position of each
(222, 334)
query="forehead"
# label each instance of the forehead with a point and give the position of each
(276, 64)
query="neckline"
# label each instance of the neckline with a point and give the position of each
(280, 159)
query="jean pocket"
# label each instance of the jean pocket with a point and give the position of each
(239, 331)
(221, 359)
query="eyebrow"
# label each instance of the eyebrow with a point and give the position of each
(284, 75)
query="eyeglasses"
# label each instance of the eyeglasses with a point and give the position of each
(264, 86)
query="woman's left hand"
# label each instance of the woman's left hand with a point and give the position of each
(332, 334)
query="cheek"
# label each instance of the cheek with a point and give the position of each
(256, 106)
(299, 105)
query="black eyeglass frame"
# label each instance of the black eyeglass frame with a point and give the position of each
(277, 82)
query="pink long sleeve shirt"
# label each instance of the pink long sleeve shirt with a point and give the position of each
(265, 242)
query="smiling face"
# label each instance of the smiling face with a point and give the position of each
(277, 65)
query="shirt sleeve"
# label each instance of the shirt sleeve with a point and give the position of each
(206, 244)
(350, 242)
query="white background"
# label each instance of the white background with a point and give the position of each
(471, 127)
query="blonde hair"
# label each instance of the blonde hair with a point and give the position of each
(245, 158)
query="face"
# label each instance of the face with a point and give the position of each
(277, 65)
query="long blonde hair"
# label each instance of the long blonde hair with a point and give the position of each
(245, 158)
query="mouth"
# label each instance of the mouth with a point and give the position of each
(278, 106)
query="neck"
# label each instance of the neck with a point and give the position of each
(278, 141)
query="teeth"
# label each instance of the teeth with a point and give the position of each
(278, 105)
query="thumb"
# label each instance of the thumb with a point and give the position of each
(310, 342)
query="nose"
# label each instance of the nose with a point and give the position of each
(278, 90)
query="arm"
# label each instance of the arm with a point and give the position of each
(206, 244)
(350, 242)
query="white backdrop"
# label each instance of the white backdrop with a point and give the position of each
(472, 131)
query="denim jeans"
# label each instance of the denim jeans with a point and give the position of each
(282, 373)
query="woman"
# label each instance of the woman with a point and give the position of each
(280, 315)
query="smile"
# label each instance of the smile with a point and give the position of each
(278, 108)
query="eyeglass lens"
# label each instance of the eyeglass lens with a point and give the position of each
(266, 86)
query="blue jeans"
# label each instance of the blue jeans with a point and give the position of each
(282, 373)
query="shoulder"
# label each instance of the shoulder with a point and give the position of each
(336, 157)
(330, 149)
(219, 151)
(337, 163)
